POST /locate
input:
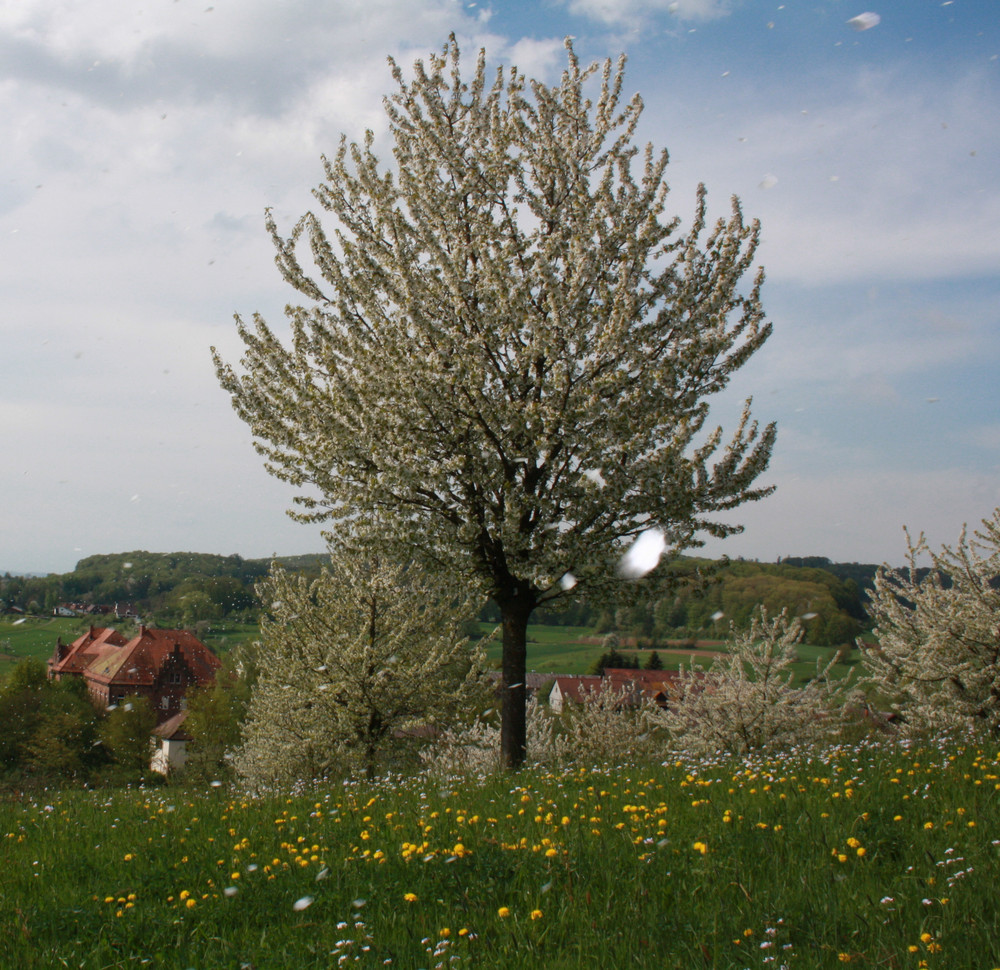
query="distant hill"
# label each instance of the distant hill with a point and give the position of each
(177, 588)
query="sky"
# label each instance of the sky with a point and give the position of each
(143, 142)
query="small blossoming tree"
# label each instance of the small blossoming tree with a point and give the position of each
(936, 659)
(346, 662)
(747, 699)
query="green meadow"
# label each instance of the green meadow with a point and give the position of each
(22, 637)
(873, 856)
(551, 649)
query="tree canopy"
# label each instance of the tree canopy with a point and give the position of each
(507, 345)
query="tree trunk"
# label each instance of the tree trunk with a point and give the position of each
(514, 612)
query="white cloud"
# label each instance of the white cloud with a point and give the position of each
(859, 515)
(882, 176)
(631, 12)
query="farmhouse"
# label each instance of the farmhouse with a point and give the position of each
(160, 665)
(632, 686)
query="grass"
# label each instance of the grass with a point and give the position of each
(34, 636)
(869, 856)
(551, 649)
(223, 635)
(572, 649)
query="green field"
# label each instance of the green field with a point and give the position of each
(551, 649)
(877, 857)
(572, 649)
(35, 636)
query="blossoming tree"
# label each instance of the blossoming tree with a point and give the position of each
(506, 346)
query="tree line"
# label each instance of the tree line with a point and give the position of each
(183, 589)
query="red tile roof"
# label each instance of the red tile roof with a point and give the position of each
(96, 642)
(576, 689)
(629, 683)
(172, 729)
(140, 661)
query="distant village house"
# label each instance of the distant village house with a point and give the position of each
(629, 685)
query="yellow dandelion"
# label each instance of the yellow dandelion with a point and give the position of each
(536, 914)
(503, 912)
(410, 897)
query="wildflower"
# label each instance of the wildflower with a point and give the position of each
(536, 914)
(503, 912)
(410, 897)
(191, 903)
(700, 847)
(445, 933)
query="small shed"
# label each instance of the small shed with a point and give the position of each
(170, 744)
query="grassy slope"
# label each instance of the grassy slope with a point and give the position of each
(860, 856)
